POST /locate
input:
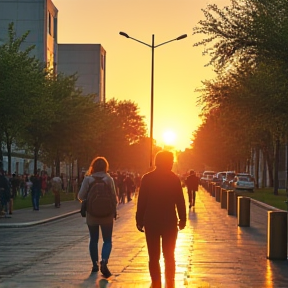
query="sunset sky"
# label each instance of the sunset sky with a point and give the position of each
(178, 69)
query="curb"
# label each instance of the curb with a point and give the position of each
(34, 223)
(265, 206)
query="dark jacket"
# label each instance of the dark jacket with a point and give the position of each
(160, 194)
(4, 189)
(192, 182)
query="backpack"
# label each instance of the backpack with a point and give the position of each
(100, 201)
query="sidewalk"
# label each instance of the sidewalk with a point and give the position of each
(28, 217)
(212, 251)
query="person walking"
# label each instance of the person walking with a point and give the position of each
(56, 183)
(192, 183)
(121, 187)
(161, 211)
(129, 187)
(99, 169)
(4, 192)
(44, 182)
(35, 190)
(14, 183)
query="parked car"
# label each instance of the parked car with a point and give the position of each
(217, 181)
(207, 176)
(218, 178)
(243, 181)
(227, 177)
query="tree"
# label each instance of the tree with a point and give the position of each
(248, 41)
(21, 79)
(64, 132)
(117, 127)
(245, 31)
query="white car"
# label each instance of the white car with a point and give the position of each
(243, 181)
(227, 176)
(207, 176)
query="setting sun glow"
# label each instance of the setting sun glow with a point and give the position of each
(169, 137)
(180, 67)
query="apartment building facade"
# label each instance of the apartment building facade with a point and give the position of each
(88, 61)
(40, 17)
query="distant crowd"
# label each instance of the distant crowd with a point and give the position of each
(39, 184)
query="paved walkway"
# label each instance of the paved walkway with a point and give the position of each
(212, 251)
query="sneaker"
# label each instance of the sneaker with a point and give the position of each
(104, 269)
(95, 269)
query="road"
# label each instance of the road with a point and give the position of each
(212, 251)
(55, 254)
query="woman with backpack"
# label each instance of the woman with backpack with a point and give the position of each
(98, 190)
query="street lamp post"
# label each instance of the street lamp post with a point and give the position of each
(152, 46)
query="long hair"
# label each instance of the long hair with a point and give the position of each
(98, 164)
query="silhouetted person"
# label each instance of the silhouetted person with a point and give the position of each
(14, 182)
(129, 187)
(121, 187)
(160, 206)
(35, 191)
(192, 183)
(4, 192)
(56, 183)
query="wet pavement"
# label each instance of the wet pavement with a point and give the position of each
(212, 251)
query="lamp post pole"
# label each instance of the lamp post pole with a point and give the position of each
(152, 46)
(152, 105)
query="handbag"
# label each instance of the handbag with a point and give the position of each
(83, 208)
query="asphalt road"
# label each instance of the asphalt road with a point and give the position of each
(212, 251)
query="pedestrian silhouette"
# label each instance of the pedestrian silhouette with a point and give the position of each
(160, 213)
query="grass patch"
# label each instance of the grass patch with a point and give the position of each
(20, 202)
(266, 195)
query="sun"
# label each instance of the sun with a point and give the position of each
(169, 137)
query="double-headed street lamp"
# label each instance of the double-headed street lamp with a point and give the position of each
(152, 82)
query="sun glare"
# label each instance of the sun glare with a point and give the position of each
(169, 137)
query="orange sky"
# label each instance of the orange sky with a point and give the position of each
(178, 69)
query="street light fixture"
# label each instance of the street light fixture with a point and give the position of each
(152, 46)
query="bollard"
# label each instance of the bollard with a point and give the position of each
(277, 235)
(213, 189)
(217, 193)
(210, 188)
(236, 202)
(231, 202)
(223, 198)
(243, 211)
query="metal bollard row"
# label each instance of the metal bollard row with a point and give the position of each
(240, 206)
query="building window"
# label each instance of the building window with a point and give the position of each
(102, 61)
(55, 28)
(49, 23)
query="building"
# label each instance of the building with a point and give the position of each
(88, 61)
(37, 16)
(40, 18)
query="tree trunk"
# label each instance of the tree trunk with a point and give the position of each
(1, 152)
(36, 150)
(257, 154)
(287, 168)
(276, 167)
(269, 166)
(57, 164)
(8, 145)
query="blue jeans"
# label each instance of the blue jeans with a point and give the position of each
(35, 195)
(106, 230)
